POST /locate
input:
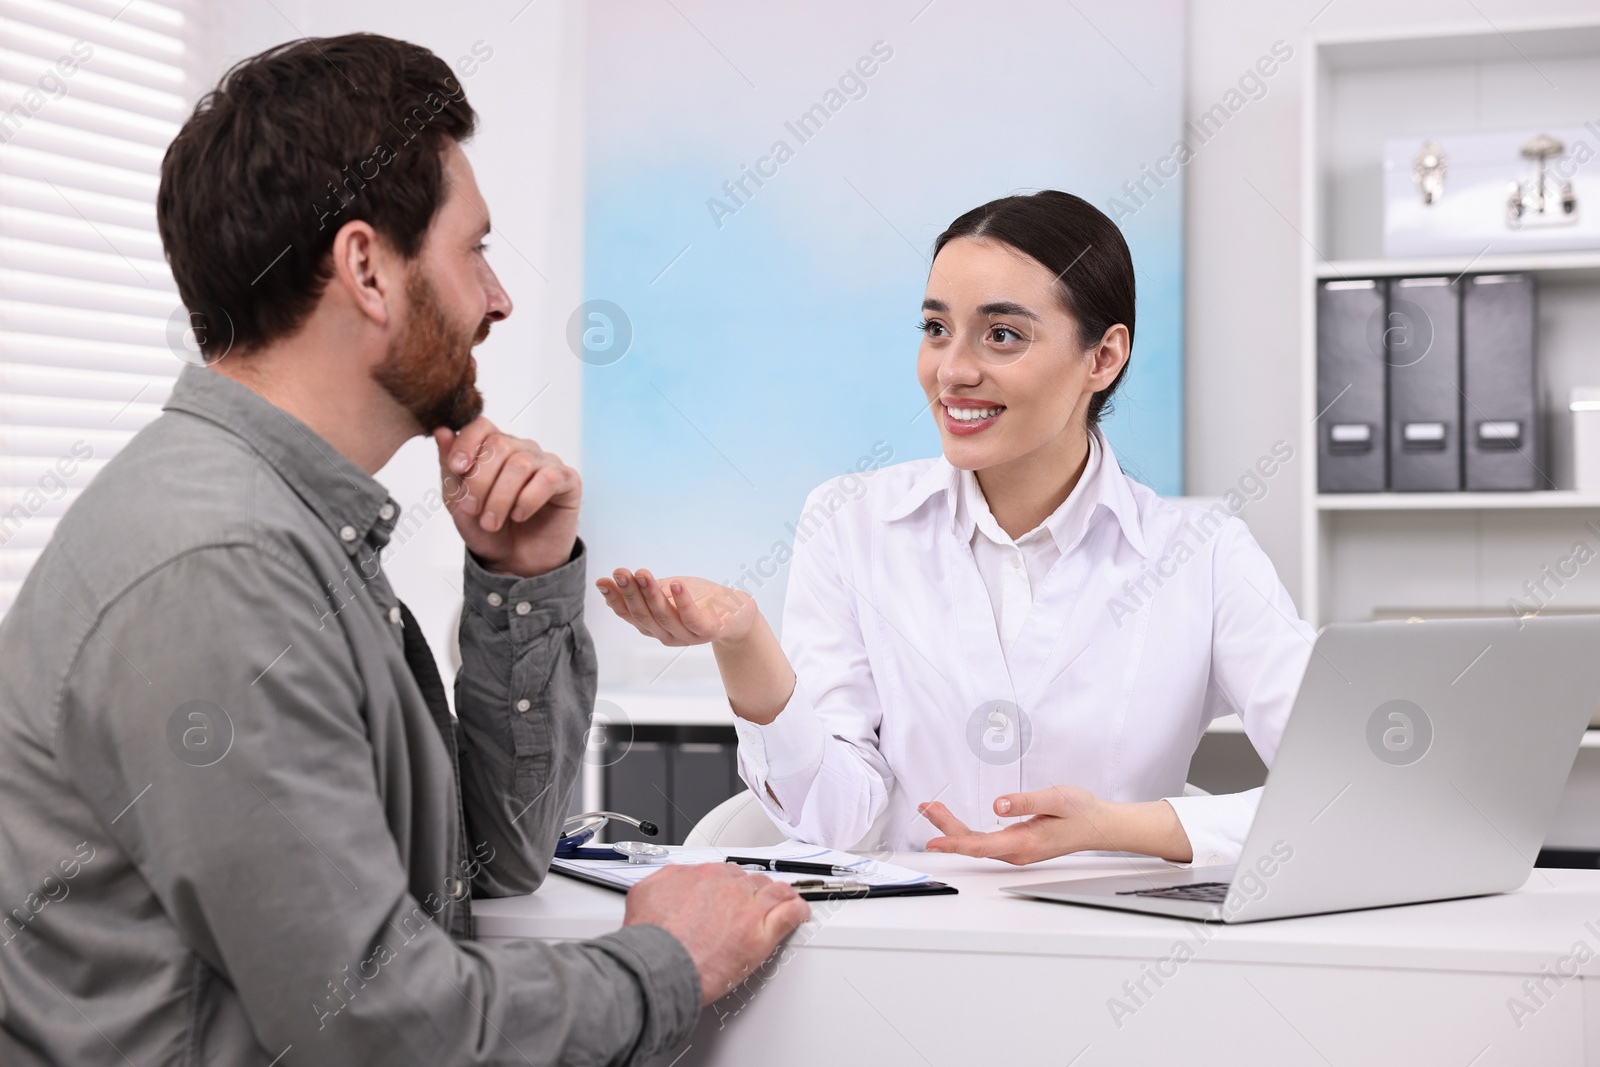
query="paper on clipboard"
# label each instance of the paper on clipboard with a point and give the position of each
(621, 874)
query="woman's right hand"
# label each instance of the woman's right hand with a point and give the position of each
(680, 611)
(693, 611)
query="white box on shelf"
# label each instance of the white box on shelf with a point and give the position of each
(1528, 190)
(1584, 405)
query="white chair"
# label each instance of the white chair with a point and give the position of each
(737, 821)
(740, 820)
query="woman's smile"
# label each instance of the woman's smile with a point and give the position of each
(963, 417)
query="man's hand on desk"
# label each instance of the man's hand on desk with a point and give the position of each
(729, 919)
(1065, 819)
(515, 504)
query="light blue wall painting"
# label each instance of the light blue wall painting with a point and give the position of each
(763, 186)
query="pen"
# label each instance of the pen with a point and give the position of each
(792, 866)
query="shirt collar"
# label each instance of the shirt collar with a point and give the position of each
(1103, 485)
(1116, 496)
(348, 500)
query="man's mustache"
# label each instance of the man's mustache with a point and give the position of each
(483, 331)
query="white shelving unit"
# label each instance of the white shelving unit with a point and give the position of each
(1559, 266)
(1370, 553)
(1546, 500)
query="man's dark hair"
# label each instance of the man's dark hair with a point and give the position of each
(291, 145)
(1079, 245)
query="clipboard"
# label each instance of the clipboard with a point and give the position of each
(877, 879)
(913, 889)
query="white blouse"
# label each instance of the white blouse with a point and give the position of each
(1099, 667)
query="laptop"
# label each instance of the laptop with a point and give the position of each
(1423, 761)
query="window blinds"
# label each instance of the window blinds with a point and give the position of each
(91, 328)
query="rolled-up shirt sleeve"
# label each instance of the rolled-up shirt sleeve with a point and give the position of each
(270, 853)
(524, 697)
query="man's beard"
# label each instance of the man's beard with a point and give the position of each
(429, 371)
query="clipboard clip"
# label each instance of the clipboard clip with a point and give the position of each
(824, 888)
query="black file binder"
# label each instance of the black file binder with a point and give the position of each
(639, 783)
(703, 776)
(1501, 418)
(1350, 387)
(671, 775)
(1422, 339)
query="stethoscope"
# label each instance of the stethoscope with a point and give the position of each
(577, 831)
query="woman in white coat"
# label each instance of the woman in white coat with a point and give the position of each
(1014, 629)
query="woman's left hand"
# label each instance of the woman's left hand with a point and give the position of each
(1065, 819)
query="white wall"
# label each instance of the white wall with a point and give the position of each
(1243, 296)
(528, 156)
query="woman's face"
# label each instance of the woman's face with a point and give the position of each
(1001, 362)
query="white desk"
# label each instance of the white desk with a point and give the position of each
(984, 978)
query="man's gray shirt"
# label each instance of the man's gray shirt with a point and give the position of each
(228, 828)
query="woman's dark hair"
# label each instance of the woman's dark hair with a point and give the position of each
(292, 144)
(1077, 243)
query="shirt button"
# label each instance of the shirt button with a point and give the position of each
(524, 704)
(1016, 561)
(495, 600)
(347, 533)
(394, 615)
(456, 888)
(386, 512)
(523, 607)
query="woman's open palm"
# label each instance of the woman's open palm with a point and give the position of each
(679, 611)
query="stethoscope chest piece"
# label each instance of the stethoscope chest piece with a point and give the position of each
(640, 851)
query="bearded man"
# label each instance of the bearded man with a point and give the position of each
(238, 822)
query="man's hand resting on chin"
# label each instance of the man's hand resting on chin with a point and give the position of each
(515, 504)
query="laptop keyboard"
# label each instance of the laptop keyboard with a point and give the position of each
(1200, 892)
